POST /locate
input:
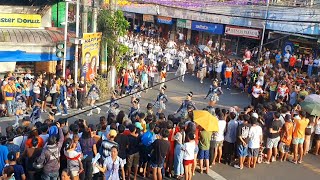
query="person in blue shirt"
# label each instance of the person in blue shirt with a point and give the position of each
(278, 58)
(19, 173)
(61, 99)
(3, 157)
(147, 139)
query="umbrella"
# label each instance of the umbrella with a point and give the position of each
(206, 120)
(311, 104)
(204, 48)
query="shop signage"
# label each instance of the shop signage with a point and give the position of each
(207, 27)
(148, 18)
(243, 32)
(128, 15)
(164, 20)
(20, 20)
(90, 55)
(183, 23)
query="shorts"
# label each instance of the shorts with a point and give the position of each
(253, 152)
(188, 162)
(155, 165)
(218, 144)
(74, 173)
(273, 142)
(203, 154)
(317, 137)
(133, 160)
(284, 148)
(196, 150)
(242, 151)
(297, 140)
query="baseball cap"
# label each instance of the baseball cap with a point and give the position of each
(112, 133)
(138, 125)
(255, 115)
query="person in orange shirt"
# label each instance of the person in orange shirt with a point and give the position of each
(301, 122)
(34, 134)
(286, 138)
(228, 75)
(292, 62)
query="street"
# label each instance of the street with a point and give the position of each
(176, 91)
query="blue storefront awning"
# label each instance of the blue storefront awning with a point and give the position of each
(207, 27)
(22, 56)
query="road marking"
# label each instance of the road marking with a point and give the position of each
(311, 167)
(215, 175)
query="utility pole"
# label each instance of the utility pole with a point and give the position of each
(113, 72)
(65, 39)
(76, 52)
(94, 15)
(264, 30)
(84, 16)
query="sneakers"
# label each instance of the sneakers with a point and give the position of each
(58, 113)
(64, 114)
(273, 159)
(237, 166)
(89, 114)
(99, 110)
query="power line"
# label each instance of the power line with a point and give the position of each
(230, 15)
(108, 102)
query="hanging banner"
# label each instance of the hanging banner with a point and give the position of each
(243, 32)
(20, 20)
(148, 18)
(164, 20)
(90, 55)
(183, 23)
(207, 27)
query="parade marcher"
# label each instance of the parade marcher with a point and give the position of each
(82, 89)
(161, 100)
(257, 92)
(93, 96)
(135, 108)
(163, 76)
(114, 104)
(36, 112)
(183, 109)
(213, 92)
(136, 90)
(181, 71)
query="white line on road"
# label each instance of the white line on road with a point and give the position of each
(215, 175)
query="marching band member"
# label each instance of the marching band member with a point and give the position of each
(183, 109)
(213, 93)
(161, 100)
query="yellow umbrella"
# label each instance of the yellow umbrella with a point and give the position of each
(206, 120)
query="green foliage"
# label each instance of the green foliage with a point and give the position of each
(112, 25)
(102, 83)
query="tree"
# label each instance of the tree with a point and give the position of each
(112, 25)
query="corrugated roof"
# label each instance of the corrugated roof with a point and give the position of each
(32, 36)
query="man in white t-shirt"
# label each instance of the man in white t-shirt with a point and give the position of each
(255, 139)
(286, 58)
(217, 140)
(219, 69)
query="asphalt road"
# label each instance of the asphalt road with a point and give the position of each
(176, 91)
